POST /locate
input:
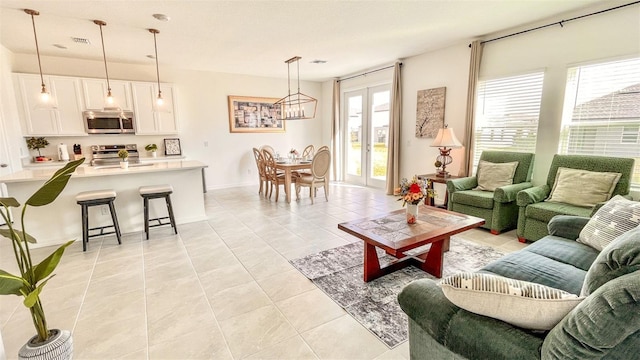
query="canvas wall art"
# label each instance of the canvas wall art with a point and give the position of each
(254, 114)
(430, 112)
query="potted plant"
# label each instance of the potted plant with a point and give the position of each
(124, 158)
(37, 143)
(48, 343)
(152, 148)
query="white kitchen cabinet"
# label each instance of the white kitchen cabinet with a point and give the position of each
(151, 119)
(63, 119)
(95, 93)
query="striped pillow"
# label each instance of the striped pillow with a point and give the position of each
(520, 303)
(613, 219)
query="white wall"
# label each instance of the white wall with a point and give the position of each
(202, 111)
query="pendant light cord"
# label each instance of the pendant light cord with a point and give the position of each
(104, 55)
(32, 13)
(155, 45)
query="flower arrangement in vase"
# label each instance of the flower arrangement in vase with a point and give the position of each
(48, 343)
(37, 143)
(411, 192)
(293, 153)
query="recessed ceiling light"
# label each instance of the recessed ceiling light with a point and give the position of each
(60, 46)
(161, 17)
(151, 56)
(318, 61)
(81, 40)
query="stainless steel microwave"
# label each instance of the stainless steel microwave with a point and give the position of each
(109, 122)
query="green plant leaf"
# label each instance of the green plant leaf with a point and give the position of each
(7, 233)
(33, 296)
(9, 202)
(10, 284)
(54, 186)
(46, 266)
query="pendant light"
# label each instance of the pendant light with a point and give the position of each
(159, 99)
(45, 97)
(296, 106)
(110, 102)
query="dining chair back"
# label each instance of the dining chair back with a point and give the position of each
(269, 149)
(274, 177)
(262, 175)
(307, 153)
(323, 147)
(319, 175)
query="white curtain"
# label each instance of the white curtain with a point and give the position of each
(474, 71)
(335, 133)
(395, 114)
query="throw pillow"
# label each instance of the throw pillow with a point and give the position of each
(620, 257)
(613, 219)
(494, 175)
(583, 188)
(520, 303)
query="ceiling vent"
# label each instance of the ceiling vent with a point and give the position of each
(81, 40)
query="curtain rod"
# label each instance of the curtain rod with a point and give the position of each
(561, 22)
(368, 72)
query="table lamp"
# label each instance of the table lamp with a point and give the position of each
(445, 141)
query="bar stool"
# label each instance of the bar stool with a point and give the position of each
(156, 192)
(87, 199)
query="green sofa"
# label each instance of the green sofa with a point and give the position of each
(498, 208)
(605, 325)
(534, 213)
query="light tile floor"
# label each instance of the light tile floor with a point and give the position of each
(221, 289)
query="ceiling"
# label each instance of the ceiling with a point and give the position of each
(256, 37)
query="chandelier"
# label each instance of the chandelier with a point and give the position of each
(296, 106)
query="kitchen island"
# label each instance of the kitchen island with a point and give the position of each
(61, 221)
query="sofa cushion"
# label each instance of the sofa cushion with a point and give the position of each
(552, 261)
(494, 175)
(606, 325)
(613, 219)
(620, 257)
(520, 303)
(477, 198)
(544, 211)
(583, 188)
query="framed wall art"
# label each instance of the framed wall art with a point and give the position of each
(172, 147)
(430, 112)
(254, 114)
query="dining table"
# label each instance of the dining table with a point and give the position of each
(289, 166)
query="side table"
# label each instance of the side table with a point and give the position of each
(440, 180)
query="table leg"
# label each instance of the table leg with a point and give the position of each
(371, 263)
(287, 184)
(433, 259)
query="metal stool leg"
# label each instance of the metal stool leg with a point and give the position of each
(115, 220)
(170, 209)
(146, 216)
(85, 226)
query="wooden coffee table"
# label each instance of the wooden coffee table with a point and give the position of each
(392, 233)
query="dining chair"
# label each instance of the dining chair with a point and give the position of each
(274, 177)
(323, 147)
(269, 149)
(262, 176)
(319, 175)
(308, 152)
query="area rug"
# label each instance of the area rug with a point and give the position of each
(338, 272)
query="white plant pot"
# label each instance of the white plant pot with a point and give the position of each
(124, 164)
(153, 153)
(58, 347)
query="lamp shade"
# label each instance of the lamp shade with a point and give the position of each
(446, 138)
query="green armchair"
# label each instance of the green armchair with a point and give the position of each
(498, 208)
(535, 213)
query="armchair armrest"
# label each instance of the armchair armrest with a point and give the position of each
(461, 184)
(508, 193)
(567, 226)
(532, 195)
(599, 205)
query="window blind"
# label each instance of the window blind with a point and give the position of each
(601, 114)
(507, 114)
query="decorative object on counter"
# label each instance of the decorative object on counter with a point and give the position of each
(254, 114)
(296, 106)
(430, 112)
(45, 96)
(411, 193)
(77, 152)
(445, 141)
(48, 343)
(109, 101)
(152, 149)
(172, 147)
(63, 152)
(37, 143)
(123, 154)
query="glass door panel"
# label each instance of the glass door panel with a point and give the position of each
(379, 100)
(354, 115)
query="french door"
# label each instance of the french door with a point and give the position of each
(366, 134)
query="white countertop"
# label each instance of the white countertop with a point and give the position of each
(91, 171)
